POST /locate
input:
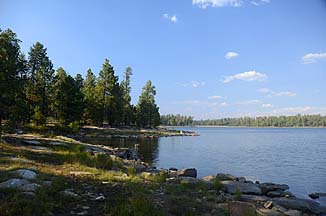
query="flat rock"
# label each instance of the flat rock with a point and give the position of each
(30, 187)
(56, 143)
(191, 180)
(317, 195)
(40, 148)
(69, 193)
(267, 212)
(266, 187)
(302, 205)
(25, 173)
(244, 187)
(14, 183)
(292, 212)
(226, 177)
(254, 198)
(209, 178)
(190, 172)
(238, 208)
(31, 142)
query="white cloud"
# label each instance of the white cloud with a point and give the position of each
(299, 110)
(224, 104)
(216, 97)
(271, 93)
(194, 84)
(246, 76)
(189, 102)
(249, 102)
(173, 18)
(230, 55)
(260, 2)
(313, 57)
(267, 105)
(217, 3)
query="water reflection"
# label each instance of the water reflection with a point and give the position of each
(148, 147)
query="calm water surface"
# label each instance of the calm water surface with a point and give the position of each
(295, 156)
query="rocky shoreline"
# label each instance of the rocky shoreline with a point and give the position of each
(220, 194)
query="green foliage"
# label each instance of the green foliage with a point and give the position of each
(147, 110)
(103, 161)
(131, 171)
(73, 126)
(176, 120)
(217, 184)
(238, 194)
(38, 118)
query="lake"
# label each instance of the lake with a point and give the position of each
(294, 156)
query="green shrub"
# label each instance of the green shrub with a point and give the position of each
(38, 118)
(217, 184)
(131, 171)
(103, 161)
(238, 194)
(74, 126)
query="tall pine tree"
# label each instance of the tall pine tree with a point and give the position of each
(127, 112)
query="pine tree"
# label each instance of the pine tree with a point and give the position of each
(91, 109)
(108, 94)
(12, 77)
(41, 76)
(127, 113)
(147, 111)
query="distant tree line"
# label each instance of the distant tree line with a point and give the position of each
(265, 121)
(176, 120)
(32, 91)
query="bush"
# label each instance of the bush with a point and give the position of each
(238, 194)
(74, 126)
(103, 161)
(38, 118)
(131, 171)
(217, 184)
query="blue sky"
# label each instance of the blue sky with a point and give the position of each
(207, 58)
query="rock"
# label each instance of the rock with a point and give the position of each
(30, 187)
(292, 212)
(173, 169)
(209, 178)
(83, 213)
(139, 167)
(190, 172)
(69, 193)
(266, 187)
(226, 177)
(80, 173)
(241, 179)
(25, 173)
(29, 193)
(190, 180)
(279, 208)
(100, 198)
(267, 212)
(316, 195)
(244, 187)
(237, 208)
(14, 183)
(268, 204)
(276, 193)
(47, 183)
(302, 205)
(254, 198)
(56, 143)
(40, 148)
(31, 142)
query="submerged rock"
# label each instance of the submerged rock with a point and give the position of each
(316, 195)
(14, 183)
(190, 172)
(244, 187)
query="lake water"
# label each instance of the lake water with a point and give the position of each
(294, 156)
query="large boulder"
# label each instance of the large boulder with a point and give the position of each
(14, 183)
(30, 187)
(302, 205)
(267, 187)
(226, 177)
(25, 173)
(244, 187)
(190, 172)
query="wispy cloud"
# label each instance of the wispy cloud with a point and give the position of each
(217, 3)
(246, 76)
(299, 110)
(173, 18)
(271, 93)
(313, 57)
(260, 2)
(194, 84)
(230, 55)
(267, 105)
(249, 102)
(216, 97)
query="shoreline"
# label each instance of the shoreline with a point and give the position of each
(217, 126)
(219, 194)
